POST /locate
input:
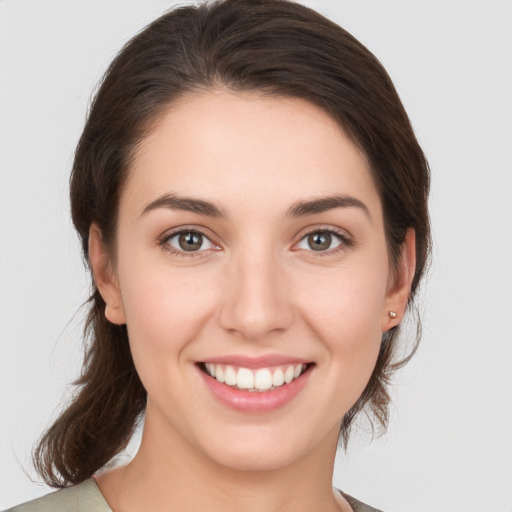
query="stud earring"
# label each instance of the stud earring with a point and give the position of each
(392, 314)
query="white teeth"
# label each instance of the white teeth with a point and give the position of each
(219, 373)
(230, 376)
(288, 374)
(245, 379)
(263, 379)
(278, 378)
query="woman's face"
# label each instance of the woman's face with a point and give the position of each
(250, 249)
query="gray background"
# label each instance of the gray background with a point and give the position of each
(449, 446)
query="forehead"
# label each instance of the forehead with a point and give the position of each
(221, 145)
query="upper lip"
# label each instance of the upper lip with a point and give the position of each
(256, 362)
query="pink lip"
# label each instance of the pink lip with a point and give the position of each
(256, 362)
(254, 402)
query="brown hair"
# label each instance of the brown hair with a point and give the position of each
(275, 46)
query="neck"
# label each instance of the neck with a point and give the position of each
(167, 470)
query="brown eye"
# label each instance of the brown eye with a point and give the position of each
(320, 241)
(189, 241)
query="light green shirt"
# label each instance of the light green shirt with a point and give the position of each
(86, 497)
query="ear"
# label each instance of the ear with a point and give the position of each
(105, 277)
(399, 286)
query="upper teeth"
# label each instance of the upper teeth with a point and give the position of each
(255, 380)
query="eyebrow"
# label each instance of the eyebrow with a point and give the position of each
(189, 204)
(298, 209)
(323, 204)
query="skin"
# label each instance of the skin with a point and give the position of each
(258, 288)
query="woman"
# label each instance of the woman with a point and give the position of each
(252, 202)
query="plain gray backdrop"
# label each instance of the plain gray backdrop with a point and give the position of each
(449, 445)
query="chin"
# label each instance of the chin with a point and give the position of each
(254, 457)
(262, 449)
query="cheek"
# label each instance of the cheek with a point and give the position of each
(344, 308)
(165, 309)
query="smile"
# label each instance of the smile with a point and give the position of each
(255, 380)
(255, 385)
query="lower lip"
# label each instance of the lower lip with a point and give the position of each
(254, 401)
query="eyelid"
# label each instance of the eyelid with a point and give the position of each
(346, 240)
(163, 240)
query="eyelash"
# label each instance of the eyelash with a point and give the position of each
(345, 241)
(164, 242)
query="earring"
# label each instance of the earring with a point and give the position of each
(392, 314)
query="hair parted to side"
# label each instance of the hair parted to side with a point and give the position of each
(277, 47)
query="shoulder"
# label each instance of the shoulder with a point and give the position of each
(84, 497)
(358, 506)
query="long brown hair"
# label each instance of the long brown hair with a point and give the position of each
(275, 46)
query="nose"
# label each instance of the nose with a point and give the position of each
(256, 299)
